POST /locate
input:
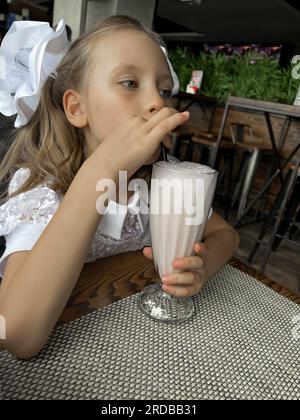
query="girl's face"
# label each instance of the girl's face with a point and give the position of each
(129, 74)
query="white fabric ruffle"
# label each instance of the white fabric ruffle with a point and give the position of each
(36, 206)
(29, 53)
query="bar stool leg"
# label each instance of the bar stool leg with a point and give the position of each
(252, 166)
(267, 223)
(280, 214)
(240, 177)
(291, 209)
(265, 195)
(221, 167)
(231, 157)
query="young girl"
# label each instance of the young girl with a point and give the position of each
(106, 108)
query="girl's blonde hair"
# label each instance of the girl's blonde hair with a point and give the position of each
(49, 145)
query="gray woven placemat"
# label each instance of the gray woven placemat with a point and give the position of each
(238, 345)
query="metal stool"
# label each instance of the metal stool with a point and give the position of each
(291, 211)
(278, 208)
(252, 154)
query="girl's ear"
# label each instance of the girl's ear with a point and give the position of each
(75, 109)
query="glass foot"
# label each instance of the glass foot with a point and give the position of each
(163, 307)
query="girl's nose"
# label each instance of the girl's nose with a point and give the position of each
(153, 105)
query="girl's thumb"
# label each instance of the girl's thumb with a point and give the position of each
(200, 248)
(147, 251)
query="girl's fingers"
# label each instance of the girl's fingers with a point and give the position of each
(185, 284)
(166, 125)
(179, 279)
(147, 251)
(161, 115)
(188, 263)
(180, 291)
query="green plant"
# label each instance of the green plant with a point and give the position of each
(249, 76)
(288, 87)
(183, 64)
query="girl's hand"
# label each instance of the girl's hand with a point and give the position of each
(192, 277)
(134, 140)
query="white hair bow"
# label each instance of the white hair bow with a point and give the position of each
(175, 89)
(29, 53)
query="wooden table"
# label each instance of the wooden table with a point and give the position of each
(107, 280)
(113, 278)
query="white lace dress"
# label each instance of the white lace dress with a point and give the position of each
(24, 217)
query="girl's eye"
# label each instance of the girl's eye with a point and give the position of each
(167, 93)
(128, 81)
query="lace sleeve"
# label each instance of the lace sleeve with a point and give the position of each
(36, 206)
(19, 178)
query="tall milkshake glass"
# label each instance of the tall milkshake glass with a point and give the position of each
(180, 202)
